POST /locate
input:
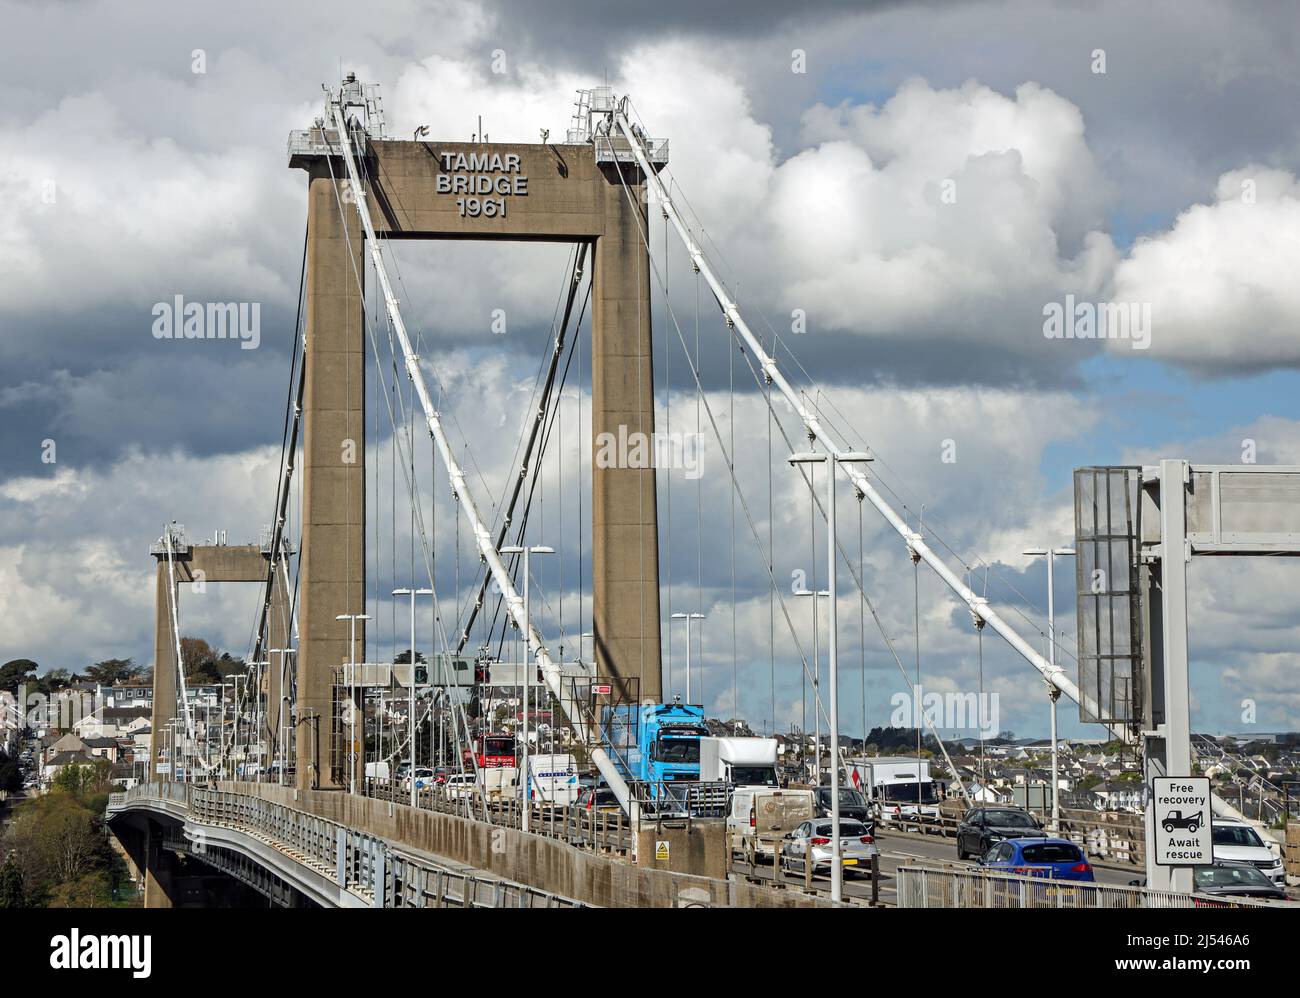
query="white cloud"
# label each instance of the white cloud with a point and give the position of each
(1221, 281)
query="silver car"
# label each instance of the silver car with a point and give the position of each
(812, 840)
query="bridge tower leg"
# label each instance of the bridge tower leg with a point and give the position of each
(164, 671)
(159, 886)
(332, 562)
(625, 534)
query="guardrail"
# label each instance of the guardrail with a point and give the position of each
(774, 871)
(947, 887)
(599, 831)
(365, 865)
(1116, 838)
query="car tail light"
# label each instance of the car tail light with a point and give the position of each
(752, 822)
(819, 841)
(1080, 868)
(867, 840)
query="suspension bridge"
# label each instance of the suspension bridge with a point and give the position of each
(312, 786)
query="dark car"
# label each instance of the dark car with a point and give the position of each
(853, 805)
(981, 828)
(1235, 880)
(599, 799)
(1055, 859)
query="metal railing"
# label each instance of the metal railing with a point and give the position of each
(946, 887)
(668, 798)
(599, 831)
(367, 866)
(1115, 838)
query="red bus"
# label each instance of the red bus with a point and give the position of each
(494, 751)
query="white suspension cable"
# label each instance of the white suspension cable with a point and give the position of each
(1053, 673)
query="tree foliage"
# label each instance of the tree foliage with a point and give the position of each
(56, 839)
(16, 671)
(11, 776)
(12, 894)
(112, 671)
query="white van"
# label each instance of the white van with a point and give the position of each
(553, 779)
(762, 815)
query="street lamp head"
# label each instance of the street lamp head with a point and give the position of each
(1035, 551)
(809, 592)
(855, 457)
(806, 457)
(401, 592)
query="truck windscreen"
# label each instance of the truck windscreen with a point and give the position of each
(677, 750)
(753, 776)
(908, 793)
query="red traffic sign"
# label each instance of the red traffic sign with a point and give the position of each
(602, 689)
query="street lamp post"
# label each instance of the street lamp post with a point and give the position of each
(257, 719)
(816, 660)
(1053, 693)
(526, 551)
(410, 717)
(688, 617)
(281, 716)
(352, 619)
(832, 653)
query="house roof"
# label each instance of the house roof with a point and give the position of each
(124, 713)
(68, 758)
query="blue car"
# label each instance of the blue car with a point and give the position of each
(1055, 859)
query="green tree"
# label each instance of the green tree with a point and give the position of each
(54, 680)
(11, 883)
(56, 839)
(16, 671)
(90, 890)
(404, 656)
(84, 781)
(11, 777)
(112, 671)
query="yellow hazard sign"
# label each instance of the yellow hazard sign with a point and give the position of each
(661, 849)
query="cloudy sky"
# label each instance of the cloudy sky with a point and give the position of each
(918, 180)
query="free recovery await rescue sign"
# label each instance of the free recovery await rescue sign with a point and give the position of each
(1180, 808)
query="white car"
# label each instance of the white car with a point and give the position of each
(459, 785)
(1235, 841)
(423, 779)
(812, 841)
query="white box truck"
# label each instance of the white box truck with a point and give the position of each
(898, 787)
(741, 762)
